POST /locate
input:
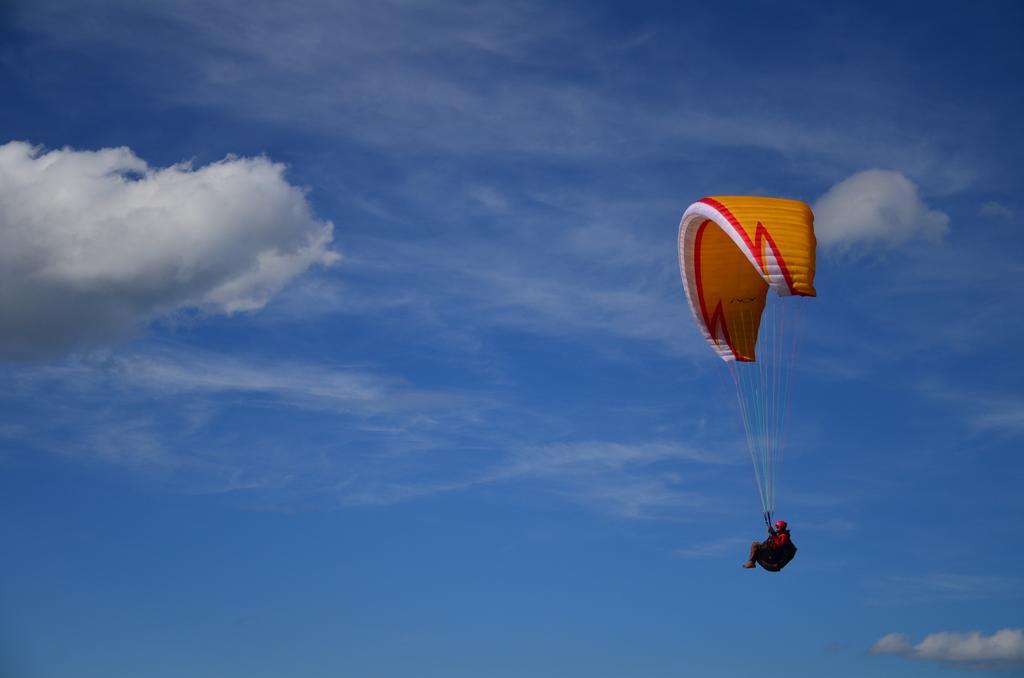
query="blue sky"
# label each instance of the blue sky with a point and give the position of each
(348, 339)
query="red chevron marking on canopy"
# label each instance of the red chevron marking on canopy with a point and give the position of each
(755, 247)
(717, 317)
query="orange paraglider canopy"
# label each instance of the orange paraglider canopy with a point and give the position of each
(731, 250)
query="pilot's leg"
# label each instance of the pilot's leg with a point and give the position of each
(754, 546)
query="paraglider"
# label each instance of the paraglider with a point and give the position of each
(732, 251)
(775, 552)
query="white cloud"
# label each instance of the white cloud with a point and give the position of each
(995, 209)
(875, 208)
(93, 244)
(967, 649)
(892, 643)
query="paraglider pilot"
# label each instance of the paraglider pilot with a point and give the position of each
(774, 553)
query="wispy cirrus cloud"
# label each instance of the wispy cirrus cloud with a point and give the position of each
(714, 549)
(1002, 650)
(209, 415)
(631, 480)
(307, 385)
(635, 480)
(423, 78)
(557, 266)
(982, 410)
(302, 433)
(1001, 415)
(944, 586)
